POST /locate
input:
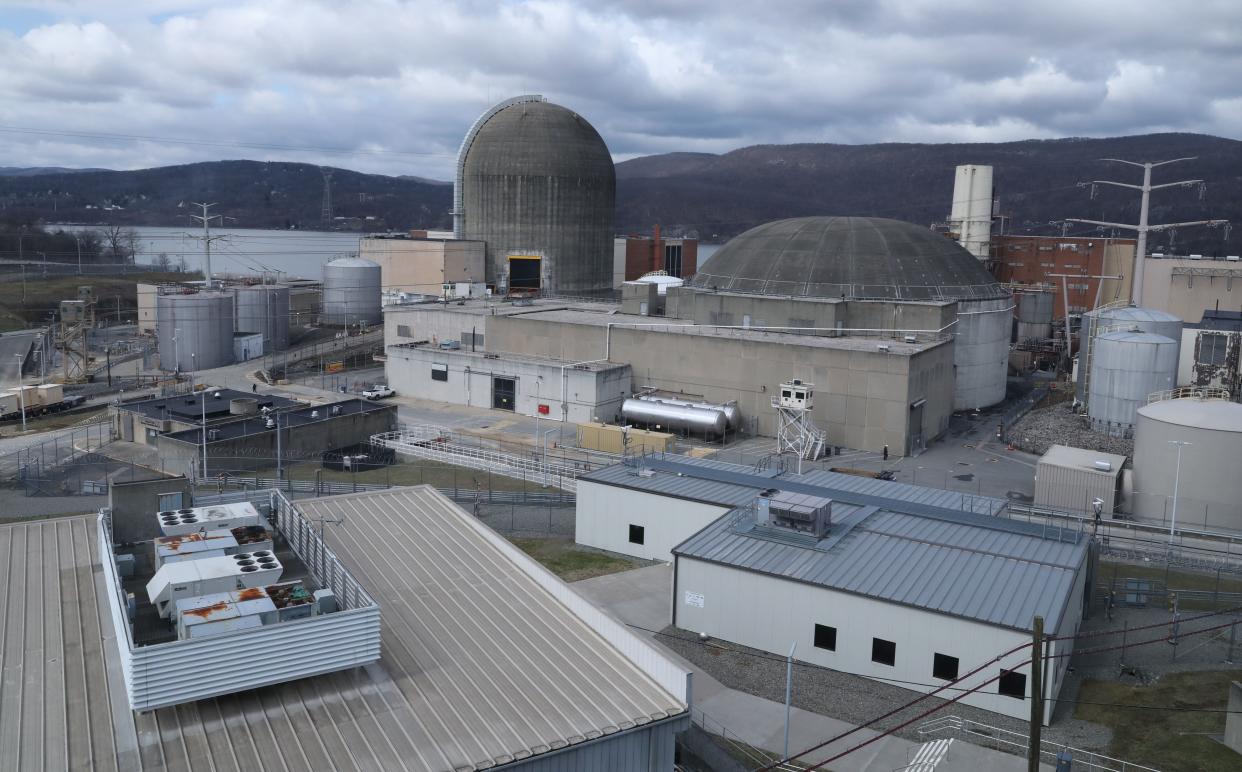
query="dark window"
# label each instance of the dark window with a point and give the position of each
(403, 330)
(504, 393)
(672, 259)
(825, 637)
(472, 339)
(637, 534)
(785, 393)
(944, 666)
(439, 373)
(1212, 349)
(1012, 684)
(882, 651)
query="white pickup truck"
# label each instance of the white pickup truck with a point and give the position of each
(378, 391)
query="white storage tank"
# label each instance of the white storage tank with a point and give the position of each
(1126, 367)
(351, 292)
(981, 351)
(1034, 314)
(1122, 317)
(1210, 482)
(263, 308)
(195, 330)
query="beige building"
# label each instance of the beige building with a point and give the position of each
(1186, 286)
(147, 294)
(424, 266)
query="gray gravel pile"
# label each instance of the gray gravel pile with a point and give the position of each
(853, 698)
(1040, 429)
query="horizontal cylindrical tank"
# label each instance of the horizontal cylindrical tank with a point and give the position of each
(1034, 315)
(1124, 317)
(1209, 487)
(981, 352)
(351, 292)
(195, 330)
(263, 308)
(667, 415)
(1126, 367)
(733, 414)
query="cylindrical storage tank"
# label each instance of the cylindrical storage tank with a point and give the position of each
(667, 415)
(264, 308)
(351, 292)
(1126, 367)
(195, 330)
(244, 406)
(1124, 317)
(1034, 315)
(733, 414)
(1209, 485)
(981, 352)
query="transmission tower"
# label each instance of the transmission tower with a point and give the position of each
(207, 238)
(1140, 254)
(326, 210)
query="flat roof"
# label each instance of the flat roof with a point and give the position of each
(499, 306)
(1081, 458)
(505, 356)
(188, 409)
(481, 665)
(257, 424)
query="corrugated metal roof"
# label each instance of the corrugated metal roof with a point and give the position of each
(481, 665)
(998, 576)
(1083, 459)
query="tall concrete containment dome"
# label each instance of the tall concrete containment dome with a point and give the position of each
(1209, 485)
(1123, 317)
(873, 258)
(195, 330)
(1126, 367)
(351, 292)
(263, 308)
(536, 183)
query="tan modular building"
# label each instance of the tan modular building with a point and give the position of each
(1071, 479)
(622, 439)
(147, 294)
(1186, 287)
(425, 266)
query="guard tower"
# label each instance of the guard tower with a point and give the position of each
(76, 318)
(795, 432)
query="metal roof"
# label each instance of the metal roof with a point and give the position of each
(1081, 458)
(1217, 414)
(188, 408)
(996, 576)
(482, 663)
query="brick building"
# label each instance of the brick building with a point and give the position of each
(634, 256)
(1032, 260)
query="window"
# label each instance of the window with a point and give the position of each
(1212, 349)
(825, 637)
(472, 339)
(672, 259)
(945, 667)
(171, 501)
(403, 330)
(439, 372)
(1012, 684)
(637, 534)
(884, 652)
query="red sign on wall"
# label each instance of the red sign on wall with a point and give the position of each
(543, 410)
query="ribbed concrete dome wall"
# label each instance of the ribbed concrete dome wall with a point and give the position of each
(854, 257)
(537, 179)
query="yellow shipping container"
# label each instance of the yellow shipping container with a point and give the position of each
(612, 439)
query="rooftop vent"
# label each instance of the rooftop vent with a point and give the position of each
(795, 512)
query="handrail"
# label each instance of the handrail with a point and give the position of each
(1019, 740)
(1189, 392)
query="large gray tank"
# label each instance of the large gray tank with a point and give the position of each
(1123, 317)
(351, 292)
(1034, 314)
(1210, 487)
(536, 182)
(1126, 367)
(263, 308)
(981, 352)
(660, 414)
(201, 324)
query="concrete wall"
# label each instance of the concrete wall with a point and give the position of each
(258, 450)
(769, 613)
(605, 513)
(1233, 721)
(431, 322)
(1188, 296)
(775, 311)
(589, 394)
(424, 265)
(134, 505)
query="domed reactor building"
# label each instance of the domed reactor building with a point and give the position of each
(536, 183)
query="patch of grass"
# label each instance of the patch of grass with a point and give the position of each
(570, 561)
(43, 295)
(1172, 740)
(52, 421)
(1176, 580)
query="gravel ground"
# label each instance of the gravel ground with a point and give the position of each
(1040, 429)
(856, 699)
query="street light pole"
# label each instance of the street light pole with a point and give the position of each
(1177, 474)
(78, 241)
(21, 390)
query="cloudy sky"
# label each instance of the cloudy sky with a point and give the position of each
(395, 85)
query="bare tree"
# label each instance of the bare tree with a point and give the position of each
(122, 244)
(162, 262)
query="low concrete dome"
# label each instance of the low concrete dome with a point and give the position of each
(850, 257)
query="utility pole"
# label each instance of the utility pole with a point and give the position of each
(1037, 694)
(206, 219)
(1143, 228)
(1065, 277)
(78, 241)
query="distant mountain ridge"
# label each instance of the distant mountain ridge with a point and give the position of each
(31, 171)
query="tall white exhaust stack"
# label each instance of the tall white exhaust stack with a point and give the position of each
(971, 217)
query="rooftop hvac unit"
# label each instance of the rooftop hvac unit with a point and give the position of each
(213, 434)
(212, 543)
(797, 512)
(186, 521)
(881, 347)
(1104, 466)
(222, 613)
(190, 578)
(336, 410)
(911, 339)
(293, 600)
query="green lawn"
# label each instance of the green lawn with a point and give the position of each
(44, 295)
(1172, 740)
(570, 561)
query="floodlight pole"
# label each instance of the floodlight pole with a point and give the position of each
(1177, 474)
(788, 694)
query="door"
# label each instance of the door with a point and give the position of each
(524, 272)
(915, 430)
(504, 393)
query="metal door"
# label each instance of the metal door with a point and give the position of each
(504, 393)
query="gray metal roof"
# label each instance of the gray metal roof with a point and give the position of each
(482, 665)
(996, 576)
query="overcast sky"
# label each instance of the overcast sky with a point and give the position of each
(398, 83)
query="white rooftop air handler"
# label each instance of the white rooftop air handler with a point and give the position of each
(971, 216)
(180, 522)
(219, 574)
(221, 613)
(215, 542)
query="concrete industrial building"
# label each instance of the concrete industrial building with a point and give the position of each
(143, 420)
(434, 267)
(1032, 260)
(536, 183)
(1188, 286)
(1211, 353)
(555, 685)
